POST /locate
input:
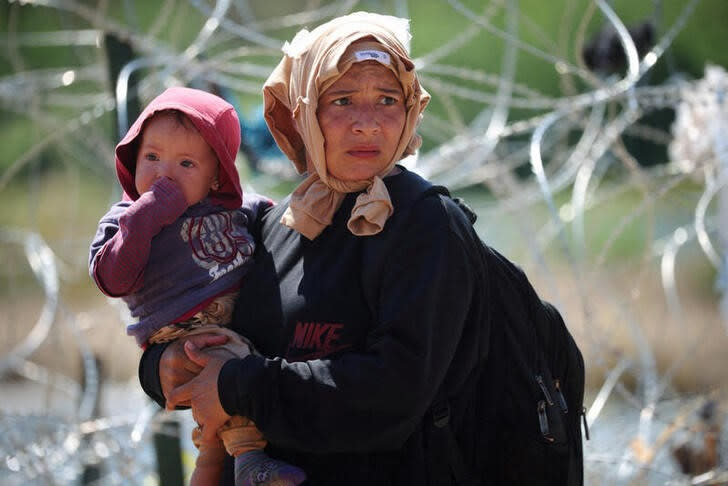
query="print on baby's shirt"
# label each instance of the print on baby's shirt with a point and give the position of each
(217, 244)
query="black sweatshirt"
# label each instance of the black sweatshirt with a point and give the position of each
(364, 331)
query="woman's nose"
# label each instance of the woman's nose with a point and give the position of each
(366, 121)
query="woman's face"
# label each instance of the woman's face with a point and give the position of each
(362, 116)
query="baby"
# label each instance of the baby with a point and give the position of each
(177, 245)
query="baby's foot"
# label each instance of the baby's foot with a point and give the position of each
(255, 468)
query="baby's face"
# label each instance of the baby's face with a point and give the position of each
(177, 151)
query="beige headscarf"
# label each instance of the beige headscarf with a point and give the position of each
(312, 62)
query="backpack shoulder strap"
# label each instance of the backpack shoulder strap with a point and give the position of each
(443, 191)
(445, 456)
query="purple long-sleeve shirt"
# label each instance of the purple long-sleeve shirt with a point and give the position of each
(167, 261)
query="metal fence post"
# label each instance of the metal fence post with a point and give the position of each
(169, 453)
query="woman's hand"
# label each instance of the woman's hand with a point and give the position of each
(176, 369)
(201, 392)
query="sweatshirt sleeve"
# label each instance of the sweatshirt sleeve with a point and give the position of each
(375, 398)
(120, 250)
(149, 372)
(255, 206)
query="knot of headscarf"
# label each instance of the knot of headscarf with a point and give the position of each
(313, 61)
(313, 204)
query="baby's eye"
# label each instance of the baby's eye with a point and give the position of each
(152, 157)
(342, 101)
(388, 100)
(187, 163)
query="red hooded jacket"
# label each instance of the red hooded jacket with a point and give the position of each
(217, 122)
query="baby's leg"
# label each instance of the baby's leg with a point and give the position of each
(210, 459)
(245, 442)
(241, 439)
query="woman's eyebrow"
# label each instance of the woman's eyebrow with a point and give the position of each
(348, 92)
(397, 91)
(339, 92)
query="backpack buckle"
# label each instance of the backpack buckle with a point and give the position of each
(441, 415)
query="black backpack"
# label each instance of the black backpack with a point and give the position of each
(521, 424)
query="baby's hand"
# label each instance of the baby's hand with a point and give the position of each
(169, 200)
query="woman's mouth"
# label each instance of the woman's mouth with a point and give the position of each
(364, 152)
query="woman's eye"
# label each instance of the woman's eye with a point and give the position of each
(388, 100)
(187, 163)
(342, 101)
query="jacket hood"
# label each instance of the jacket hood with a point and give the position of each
(217, 122)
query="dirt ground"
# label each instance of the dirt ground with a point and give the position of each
(607, 319)
(94, 324)
(625, 315)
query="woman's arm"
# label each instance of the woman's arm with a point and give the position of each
(149, 377)
(376, 397)
(164, 367)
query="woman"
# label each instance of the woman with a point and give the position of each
(363, 293)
